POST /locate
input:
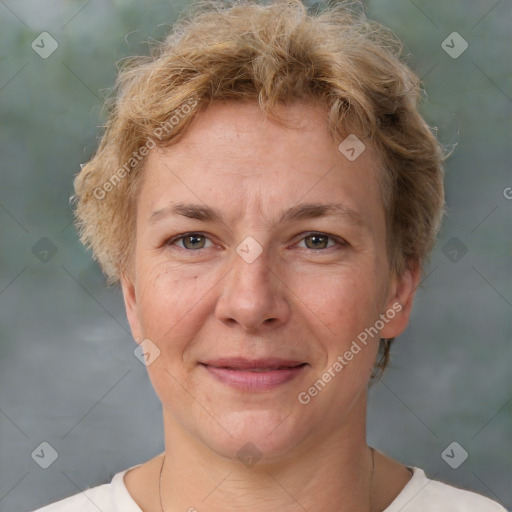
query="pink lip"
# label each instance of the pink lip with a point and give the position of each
(242, 363)
(239, 372)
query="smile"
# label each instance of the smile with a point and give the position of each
(254, 375)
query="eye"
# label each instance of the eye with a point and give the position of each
(191, 241)
(320, 241)
(194, 241)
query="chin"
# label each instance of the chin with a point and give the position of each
(266, 435)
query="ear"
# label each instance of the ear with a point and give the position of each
(130, 303)
(400, 300)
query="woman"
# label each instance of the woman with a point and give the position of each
(266, 193)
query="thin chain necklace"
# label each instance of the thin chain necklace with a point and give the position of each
(162, 471)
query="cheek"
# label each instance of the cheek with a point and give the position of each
(343, 302)
(169, 299)
(172, 308)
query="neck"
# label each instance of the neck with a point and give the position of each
(336, 470)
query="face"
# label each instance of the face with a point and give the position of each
(260, 261)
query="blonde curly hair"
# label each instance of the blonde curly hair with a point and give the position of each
(275, 53)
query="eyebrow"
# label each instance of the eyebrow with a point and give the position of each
(298, 212)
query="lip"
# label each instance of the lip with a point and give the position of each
(242, 363)
(240, 372)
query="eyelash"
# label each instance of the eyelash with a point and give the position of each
(338, 241)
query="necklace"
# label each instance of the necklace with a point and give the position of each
(162, 471)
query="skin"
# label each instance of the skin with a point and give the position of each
(294, 301)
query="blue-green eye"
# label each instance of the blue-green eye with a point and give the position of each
(191, 241)
(318, 241)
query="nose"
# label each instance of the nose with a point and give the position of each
(253, 295)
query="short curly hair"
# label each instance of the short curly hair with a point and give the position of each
(272, 53)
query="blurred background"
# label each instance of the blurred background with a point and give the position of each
(68, 374)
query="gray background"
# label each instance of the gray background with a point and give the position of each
(68, 375)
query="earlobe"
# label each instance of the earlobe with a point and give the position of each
(400, 301)
(130, 303)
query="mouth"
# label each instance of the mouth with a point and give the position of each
(256, 374)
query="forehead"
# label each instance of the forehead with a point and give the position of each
(234, 158)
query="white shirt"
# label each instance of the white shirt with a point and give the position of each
(420, 494)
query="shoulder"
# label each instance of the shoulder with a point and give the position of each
(111, 497)
(421, 494)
